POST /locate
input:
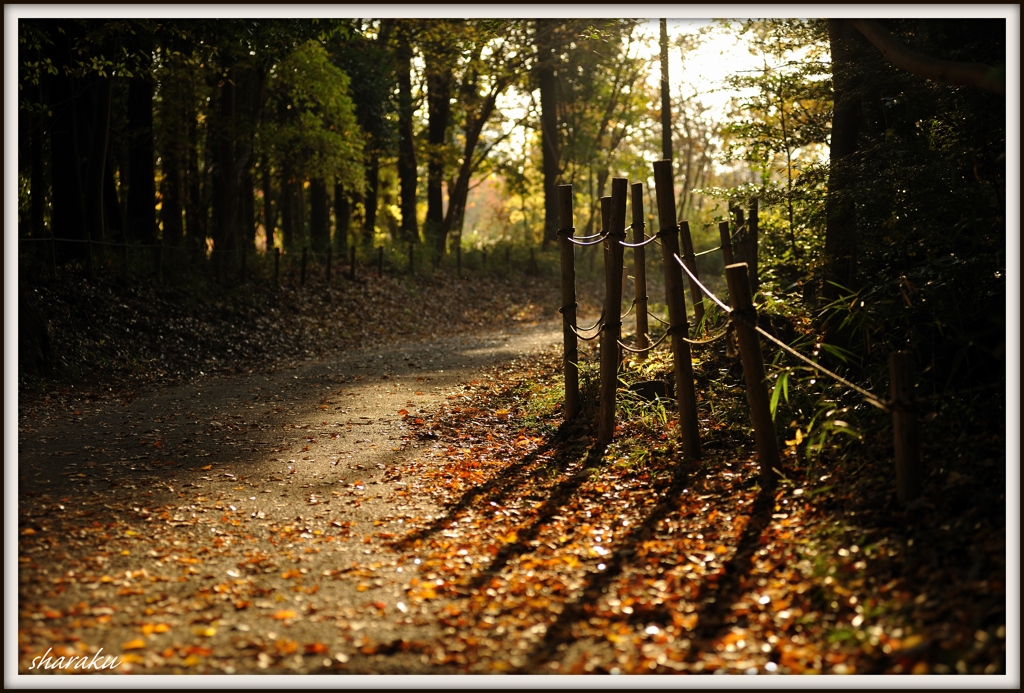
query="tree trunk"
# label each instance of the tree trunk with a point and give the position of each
(549, 106)
(172, 196)
(409, 231)
(195, 203)
(68, 208)
(840, 207)
(319, 216)
(287, 206)
(38, 168)
(946, 71)
(96, 163)
(247, 218)
(268, 204)
(439, 109)
(225, 197)
(370, 197)
(141, 162)
(342, 216)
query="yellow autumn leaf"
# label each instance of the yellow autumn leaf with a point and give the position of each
(283, 614)
(136, 644)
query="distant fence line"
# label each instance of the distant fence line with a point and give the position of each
(404, 259)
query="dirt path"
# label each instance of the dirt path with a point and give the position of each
(225, 515)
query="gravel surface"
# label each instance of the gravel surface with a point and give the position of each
(118, 502)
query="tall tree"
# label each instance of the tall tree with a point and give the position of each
(549, 39)
(406, 141)
(492, 66)
(440, 55)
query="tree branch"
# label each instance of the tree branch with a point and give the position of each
(947, 71)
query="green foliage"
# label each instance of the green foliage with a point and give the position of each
(318, 125)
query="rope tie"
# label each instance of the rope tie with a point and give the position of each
(566, 232)
(564, 308)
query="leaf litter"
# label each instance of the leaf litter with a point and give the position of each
(548, 556)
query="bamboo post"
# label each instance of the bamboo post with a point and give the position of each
(352, 262)
(723, 233)
(696, 295)
(277, 265)
(380, 262)
(606, 212)
(570, 357)
(302, 272)
(904, 427)
(686, 395)
(753, 371)
(458, 259)
(640, 270)
(611, 330)
(751, 237)
(412, 259)
(328, 272)
(245, 257)
(160, 260)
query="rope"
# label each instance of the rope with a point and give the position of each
(584, 337)
(703, 288)
(599, 239)
(705, 252)
(870, 398)
(748, 317)
(709, 340)
(600, 321)
(647, 348)
(649, 239)
(652, 315)
(630, 310)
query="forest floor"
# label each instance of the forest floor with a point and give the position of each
(378, 480)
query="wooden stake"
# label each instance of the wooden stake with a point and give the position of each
(277, 265)
(570, 357)
(352, 262)
(328, 269)
(686, 394)
(302, 272)
(723, 233)
(611, 331)
(640, 271)
(753, 372)
(904, 427)
(696, 295)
